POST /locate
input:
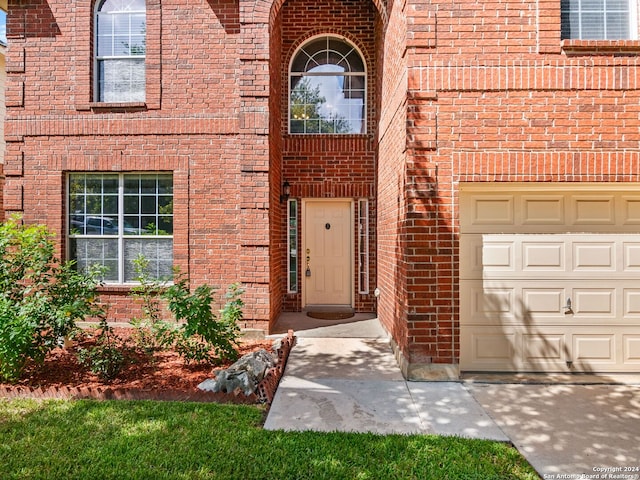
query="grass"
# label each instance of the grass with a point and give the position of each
(56, 439)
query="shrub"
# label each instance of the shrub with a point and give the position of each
(41, 298)
(203, 331)
(198, 334)
(151, 332)
(106, 358)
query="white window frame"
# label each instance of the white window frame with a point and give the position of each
(363, 246)
(633, 24)
(98, 91)
(121, 236)
(363, 74)
(292, 206)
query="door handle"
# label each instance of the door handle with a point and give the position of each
(567, 308)
(307, 272)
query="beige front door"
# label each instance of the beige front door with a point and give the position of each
(327, 252)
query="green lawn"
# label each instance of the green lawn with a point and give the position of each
(156, 440)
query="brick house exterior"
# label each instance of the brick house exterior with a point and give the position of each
(3, 76)
(467, 106)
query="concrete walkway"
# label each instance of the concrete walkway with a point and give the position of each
(342, 376)
(350, 381)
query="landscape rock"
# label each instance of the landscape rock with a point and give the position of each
(244, 375)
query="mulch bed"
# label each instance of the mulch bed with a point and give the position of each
(164, 377)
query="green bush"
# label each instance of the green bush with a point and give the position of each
(197, 334)
(203, 331)
(151, 332)
(106, 358)
(41, 298)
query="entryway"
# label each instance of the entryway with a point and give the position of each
(327, 246)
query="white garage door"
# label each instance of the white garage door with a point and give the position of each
(549, 278)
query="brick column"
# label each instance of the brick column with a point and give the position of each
(253, 73)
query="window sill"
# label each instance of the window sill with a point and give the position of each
(113, 106)
(116, 288)
(332, 135)
(601, 47)
(124, 288)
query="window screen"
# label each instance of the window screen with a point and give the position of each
(596, 19)
(120, 50)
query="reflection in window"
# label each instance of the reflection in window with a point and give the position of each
(292, 247)
(363, 245)
(114, 218)
(598, 19)
(327, 88)
(120, 50)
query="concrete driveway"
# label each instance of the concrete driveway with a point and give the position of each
(569, 431)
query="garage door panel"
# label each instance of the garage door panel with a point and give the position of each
(490, 349)
(509, 349)
(537, 210)
(631, 210)
(529, 251)
(496, 210)
(489, 302)
(544, 301)
(494, 301)
(594, 301)
(487, 305)
(549, 208)
(479, 254)
(631, 305)
(591, 257)
(592, 349)
(631, 348)
(547, 256)
(631, 255)
(593, 210)
(543, 348)
(497, 256)
(549, 349)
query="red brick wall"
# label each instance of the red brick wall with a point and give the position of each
(393, 303)
(457, 92)
(494, 95)
(200, 122)
(1, 192)
(278, 212)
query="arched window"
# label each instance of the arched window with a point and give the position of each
(327, 93)
(120, 46)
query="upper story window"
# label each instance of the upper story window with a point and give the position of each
(120, 27)
(327, 88)
(599, 19)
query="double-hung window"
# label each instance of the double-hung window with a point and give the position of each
(599, 19)
(327, 88)
(120, 32)
(115, 218)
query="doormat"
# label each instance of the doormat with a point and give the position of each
(330, 315)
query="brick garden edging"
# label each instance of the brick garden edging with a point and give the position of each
(269, 384)
(266, 389)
